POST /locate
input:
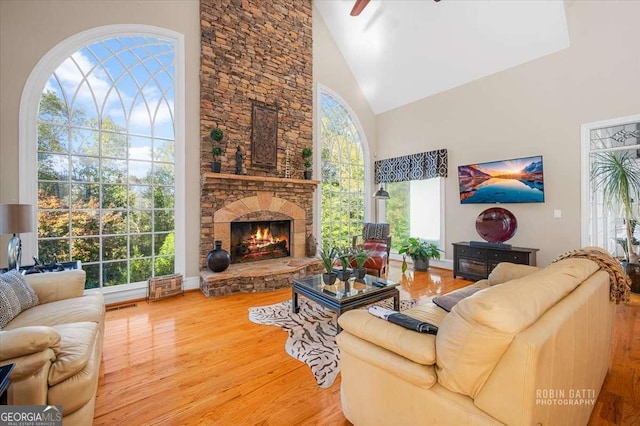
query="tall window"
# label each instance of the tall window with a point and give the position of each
(106, 160)
(342, 174)
(611, 146)
(414, 211)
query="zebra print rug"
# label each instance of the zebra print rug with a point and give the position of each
(312, 334)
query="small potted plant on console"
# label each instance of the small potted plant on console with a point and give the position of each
(216, 136)
(420, 252)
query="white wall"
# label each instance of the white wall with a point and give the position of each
(535, 108)
(30, 28)
(331, 71)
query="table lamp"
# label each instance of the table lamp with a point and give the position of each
(14, 219)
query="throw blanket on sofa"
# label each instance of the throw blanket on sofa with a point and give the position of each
(620, 283)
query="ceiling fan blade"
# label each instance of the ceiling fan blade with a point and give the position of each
(358, 7)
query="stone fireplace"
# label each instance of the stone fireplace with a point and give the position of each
(255, 53)
(238, 201)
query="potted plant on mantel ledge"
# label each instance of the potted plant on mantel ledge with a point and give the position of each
(216, 136)
(306, 156)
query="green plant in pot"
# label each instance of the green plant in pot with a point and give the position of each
(617, 175)
(328, 259)
(360, 256)
(420, 252)
(216, 136)
(344, 256)
(307, 153)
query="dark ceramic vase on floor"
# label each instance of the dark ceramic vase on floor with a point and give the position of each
(218, 259)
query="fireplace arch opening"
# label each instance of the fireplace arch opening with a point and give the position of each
(260, 240)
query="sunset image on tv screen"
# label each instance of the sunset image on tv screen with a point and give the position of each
(509, 181)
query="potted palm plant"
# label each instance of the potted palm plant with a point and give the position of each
(344, 256)
(216, 136)
(420, 252)
(360, 257)
(617, 175)
(328, 258)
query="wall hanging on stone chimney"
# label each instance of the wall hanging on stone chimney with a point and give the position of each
(264, 135)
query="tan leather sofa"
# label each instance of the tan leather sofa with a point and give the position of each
(531, 348)
(57, 347)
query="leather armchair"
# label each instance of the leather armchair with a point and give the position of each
(376, 233)
(376, 239)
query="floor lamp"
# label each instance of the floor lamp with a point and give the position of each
(14, 219)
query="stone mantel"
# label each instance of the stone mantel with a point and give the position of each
(211, 177)
(226, 198)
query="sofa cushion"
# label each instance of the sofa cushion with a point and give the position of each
(475, 334)
(417, 347)
(27, 340)
(449, 300)
(54, 286)
(506, 271)
(77, 309)
(15, 296)
(76, 346)
(375, 231)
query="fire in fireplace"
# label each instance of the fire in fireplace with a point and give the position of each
(252, 241)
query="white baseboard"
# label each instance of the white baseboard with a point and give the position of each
(121, 294)
(443, 263)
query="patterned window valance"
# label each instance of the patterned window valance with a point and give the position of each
(425, 165)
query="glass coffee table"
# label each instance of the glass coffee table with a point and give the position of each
(343, 296)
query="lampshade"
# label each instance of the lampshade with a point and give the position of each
(381, 194)
(16, 218)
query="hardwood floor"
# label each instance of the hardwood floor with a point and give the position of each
(197, 361)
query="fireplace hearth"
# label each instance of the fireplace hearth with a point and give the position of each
(260, 240)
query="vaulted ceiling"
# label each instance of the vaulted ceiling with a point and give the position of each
(402, 51)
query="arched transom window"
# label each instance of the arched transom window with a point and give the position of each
(106, 160)
(342, 174)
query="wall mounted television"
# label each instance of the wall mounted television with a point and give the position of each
(519, 180)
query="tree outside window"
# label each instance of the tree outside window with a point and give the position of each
(342, 174)
(106, 163)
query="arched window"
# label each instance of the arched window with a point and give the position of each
(342, 172)
(106, 159)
